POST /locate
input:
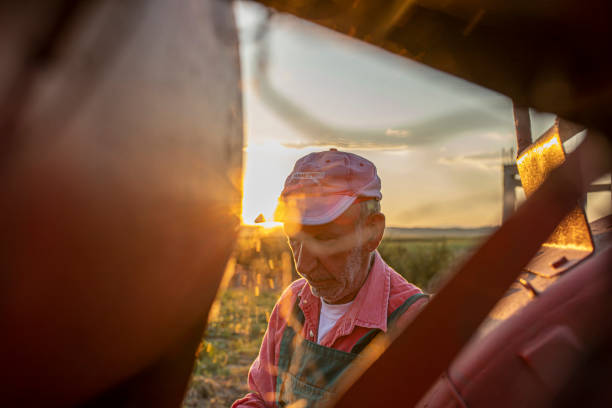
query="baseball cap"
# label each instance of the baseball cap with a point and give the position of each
(325, 184)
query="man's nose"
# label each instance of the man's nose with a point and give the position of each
(305, 261)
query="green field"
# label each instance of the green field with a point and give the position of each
(237, 326)
(425, 262)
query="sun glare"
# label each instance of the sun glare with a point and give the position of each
(270, 224)
(266, 167)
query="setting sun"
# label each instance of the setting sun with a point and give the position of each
(266, 167)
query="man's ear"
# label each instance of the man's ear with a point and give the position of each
(375, 227)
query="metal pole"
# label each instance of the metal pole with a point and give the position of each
(509, 195)
(522, 124)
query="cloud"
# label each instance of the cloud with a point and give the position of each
(396, 132)
(317, 132)
(482, 160)
(498, 136)
(470, 209)
(418, 134)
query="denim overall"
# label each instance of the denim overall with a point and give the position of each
(308, 371)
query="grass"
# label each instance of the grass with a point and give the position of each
(425, 262)
(229, 347)
(235, 333)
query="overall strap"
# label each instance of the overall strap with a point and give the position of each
(296, 319)
(369, 336)
(296, 314)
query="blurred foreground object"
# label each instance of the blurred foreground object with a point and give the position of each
(121, 173)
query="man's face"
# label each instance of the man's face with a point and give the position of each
(332, 257)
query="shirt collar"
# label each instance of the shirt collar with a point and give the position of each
(372, 302)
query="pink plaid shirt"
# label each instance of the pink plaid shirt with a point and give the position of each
(383, 292)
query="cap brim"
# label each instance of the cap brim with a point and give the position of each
(312, 210)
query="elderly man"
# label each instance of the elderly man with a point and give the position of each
(330, 207)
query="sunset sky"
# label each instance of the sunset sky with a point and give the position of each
(435, 139)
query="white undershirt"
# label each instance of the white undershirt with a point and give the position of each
(329, 316)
